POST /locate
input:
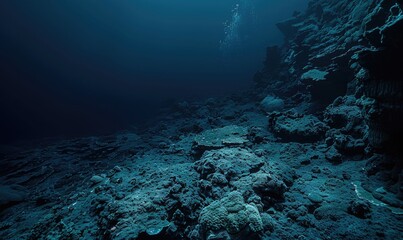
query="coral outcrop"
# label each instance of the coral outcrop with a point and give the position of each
(232, 215)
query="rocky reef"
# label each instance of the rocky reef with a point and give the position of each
(311, 152)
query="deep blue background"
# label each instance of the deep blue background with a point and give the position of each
(90, 67)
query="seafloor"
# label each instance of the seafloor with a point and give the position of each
(311, 152)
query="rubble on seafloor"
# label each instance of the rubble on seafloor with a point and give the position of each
(312, 152)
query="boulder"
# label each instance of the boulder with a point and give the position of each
(220, 137)
(231, 215)
(297, 127)
(272, 103)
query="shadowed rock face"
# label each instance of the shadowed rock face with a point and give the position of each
(384, 82)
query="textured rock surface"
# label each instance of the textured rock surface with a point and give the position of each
(231, 214)
(220, 137)
(341, 55)
(326, 165)
(271, 103)
(296, 127)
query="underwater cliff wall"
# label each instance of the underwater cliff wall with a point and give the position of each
(345, 53)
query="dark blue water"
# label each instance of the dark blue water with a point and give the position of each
(92, 67)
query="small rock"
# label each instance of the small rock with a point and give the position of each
(381, 190)
(219, 179)
(315, 198)
(314, 75)
(316, 169)
(176, 188)
(119, 196)
(360, 209)
(271, 211)
(346, 176)
(305, 161)
(117, 169)
(96, 179)
(333, 156)
(260, 152)
(315, 157)
(116, 180)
